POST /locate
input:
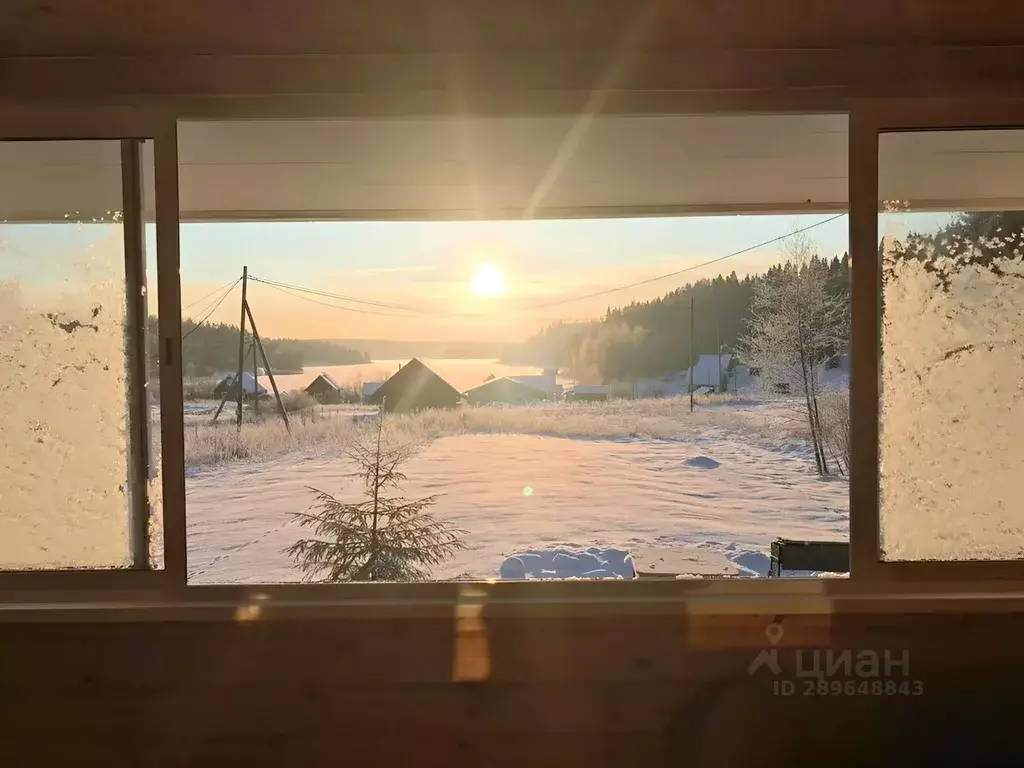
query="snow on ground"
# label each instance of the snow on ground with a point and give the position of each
(561, 563)
(707, 504)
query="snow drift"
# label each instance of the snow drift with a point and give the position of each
(560, 563)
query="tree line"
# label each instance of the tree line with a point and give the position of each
(651, 338)
(211, 348)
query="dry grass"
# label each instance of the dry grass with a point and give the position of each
(297, 400)
(329, 430)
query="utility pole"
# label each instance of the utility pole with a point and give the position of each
(266, 363)
(255, 374)
(241, 348)
(691, 353)
(718, 329)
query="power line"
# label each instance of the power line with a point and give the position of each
(338, 296)
(215, 306)
(211, 293)
(332, 306)
(297, 290)
(684, 270)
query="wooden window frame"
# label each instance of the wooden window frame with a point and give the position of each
(870, 578)
(128, 126)
(870, 119)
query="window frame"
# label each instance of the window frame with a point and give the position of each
(869, 119)
(127, 126)
(869, 575)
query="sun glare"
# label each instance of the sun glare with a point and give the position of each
(488, 281)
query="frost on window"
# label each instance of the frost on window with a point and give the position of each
(63, 429)
(952, 387)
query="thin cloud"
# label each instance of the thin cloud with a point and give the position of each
(392, 270)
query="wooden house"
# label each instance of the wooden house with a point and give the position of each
(250, 386)
(505, 390)
(414, 388)
(325, 389)
(588, 393)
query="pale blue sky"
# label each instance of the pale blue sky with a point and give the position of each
(429, 265)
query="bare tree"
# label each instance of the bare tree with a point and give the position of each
(795, 328)
(835, 427)
(382, 537)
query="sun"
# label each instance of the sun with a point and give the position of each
(488, 281)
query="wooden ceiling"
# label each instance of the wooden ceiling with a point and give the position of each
(435, 56)
(220, 27)
(637, 65)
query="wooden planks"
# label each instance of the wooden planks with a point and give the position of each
(617, 691)
(96, 27)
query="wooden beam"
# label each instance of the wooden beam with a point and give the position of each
(897, 70)
(95, 27)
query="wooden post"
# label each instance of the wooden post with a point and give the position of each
(266, 362)
(691, 353)
(223, 399)
(241, 349)
(255, 377)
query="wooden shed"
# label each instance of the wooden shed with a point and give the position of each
(325, 389)
(588, 393)
(414, 388)
(504, 390)
(250, 386)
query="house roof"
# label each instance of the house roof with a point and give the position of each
(410, 378)
(544, 382)
(326, 377)
(249, 384)
(369, 387)
(502, 382)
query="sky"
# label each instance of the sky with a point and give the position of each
(426, 268)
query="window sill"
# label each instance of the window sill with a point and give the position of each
(511, 599)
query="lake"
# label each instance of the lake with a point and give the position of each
(461, 374)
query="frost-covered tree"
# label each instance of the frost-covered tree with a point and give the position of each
(796, 328)
(382, 537)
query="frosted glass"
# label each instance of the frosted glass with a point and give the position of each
(63, 410)
(952, 381)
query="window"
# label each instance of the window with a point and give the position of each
(68, 474)
(355, 261)
(536, 324)
(80, 480)
(952, 370)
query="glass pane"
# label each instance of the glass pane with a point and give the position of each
(63, 409)
(542, 369)
(952, 368)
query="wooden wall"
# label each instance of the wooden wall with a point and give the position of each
(666, 689)
(654, 690)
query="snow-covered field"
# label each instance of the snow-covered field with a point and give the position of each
(707, 499)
